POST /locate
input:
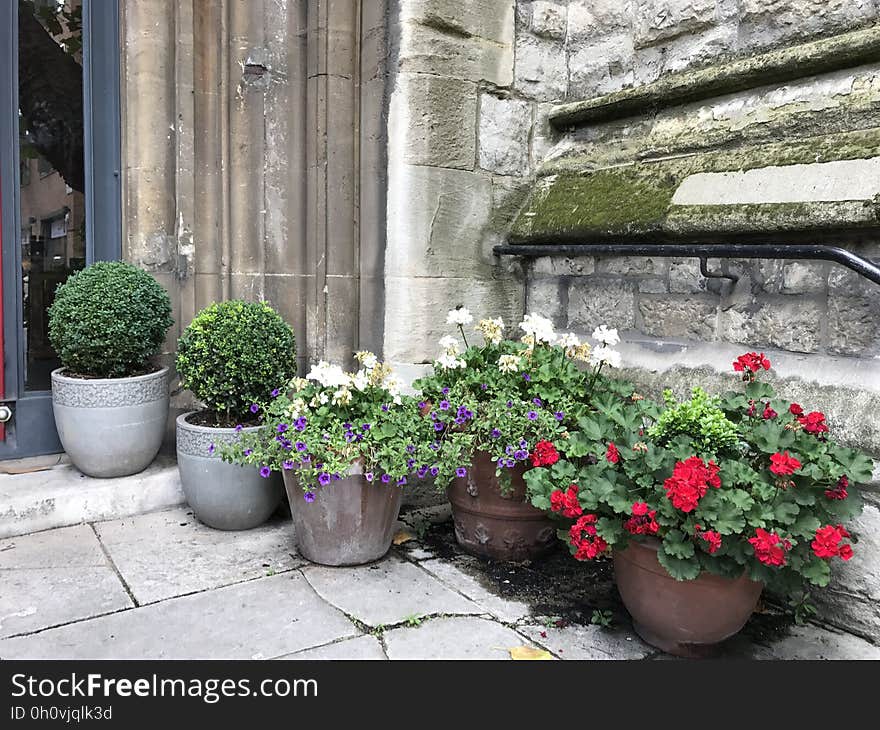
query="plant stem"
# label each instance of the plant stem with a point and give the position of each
(461, 329)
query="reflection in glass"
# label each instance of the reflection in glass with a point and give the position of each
(50, 101)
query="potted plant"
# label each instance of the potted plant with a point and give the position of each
(516, 399)
(232, 356)
(109, 398)
(343, 442)
(704, 503)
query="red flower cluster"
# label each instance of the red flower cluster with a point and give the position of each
(769, 413)
(612, 455)
(584, 538)
(750, 363)
(827, 543)
(545, 454)
(566, 502)
(642, 522)
(795, 410)
(784, 464)
(839, 490)
(813, 422)
(769, 548)
(689, 481)
(710, 536)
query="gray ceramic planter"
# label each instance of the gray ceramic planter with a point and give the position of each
(350, 522)
(222, 495)
(111, 427)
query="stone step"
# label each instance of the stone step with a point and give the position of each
(62, 495)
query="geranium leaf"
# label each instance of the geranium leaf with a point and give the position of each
(786, 512)
(679, 568)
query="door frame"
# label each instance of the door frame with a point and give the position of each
(32, 428)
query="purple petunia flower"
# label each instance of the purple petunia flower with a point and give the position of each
(254, 408)
(520, 454)
(527, 377)
(531, 415)
(461, 472)
(510, 404)
(511, 463)
(281, 428)
(275, 392)
(300, 423)
(287, 465)
(434, 446)
(483, 386)
(309, 496)
(386, 478)
(537, 401)
(265, 471)
(366, 426)
(434, 471)
(410, 463)
(385, 409)
(211, 449)
(422, 470)
(300, 446)
(368, 476)
(323, 478)
(410, 449)
(422, 404)
(248, 452)
(444, 405)
(439, 426)
(559, 415)
(523, 444)
(495, 433)
(401, 481)
(238, 428)
(445, 391)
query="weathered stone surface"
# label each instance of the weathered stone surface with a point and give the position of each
(442, 116)
(453, 638)
(792, 323)
(540, 70)
(547, 298)
(563, 266)
(653, 285)
(543, 136)
(504, 609)
(55, 577)
(548, 19)
(504, 135)
(594, 300)
(259, 619)
(386, 593)
(657, 20)
(769, 21)
(430, 50)
(853, 325)
(629, 265)
(588, 19)
(800, 278)
(600, 67)
(362, 647)
(588, 642)
(692, 318)
(812, 642)
(685, 277)
(489, 19)
(852, 600)
(194, 557)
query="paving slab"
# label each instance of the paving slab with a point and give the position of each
(387, 592)
(457, 637)
(362, 647)
(814, 642)
(54, 577)
(502, 608)
(588, 642)
(260, 619)
(170, 553)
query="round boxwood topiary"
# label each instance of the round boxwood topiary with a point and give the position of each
(108, 320)
(234, 354)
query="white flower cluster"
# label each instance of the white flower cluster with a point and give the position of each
(449, 357)
(508, 363)
(538, 330)
(372, 373)
(330, 376)
(492, 330)
(460, 316)
(604, 353)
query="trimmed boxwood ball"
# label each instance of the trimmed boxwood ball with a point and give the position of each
(234, 354)
(108, 320)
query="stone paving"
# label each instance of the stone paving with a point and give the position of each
(161, 585)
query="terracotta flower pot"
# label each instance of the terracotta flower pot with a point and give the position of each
(685, 618)
(350, 522)
(495, 524)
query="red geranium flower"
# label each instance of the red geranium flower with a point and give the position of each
(784, 464)
(839, 490)
(612, 454)
(582, 535)
(828, 543)
(642, 522)
(750, 363)
(814, 422)
(689, 481)
(795, 410)
(545, 454)
(710, 536)
(566, 502)
(769, 548)
(769, 413)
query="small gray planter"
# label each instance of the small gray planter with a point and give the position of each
(350, 522)
(222, 495)
(111, 427)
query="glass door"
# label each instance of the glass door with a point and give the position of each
(59, 188)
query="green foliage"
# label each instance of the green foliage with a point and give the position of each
(233, 354)
(602, 618)
(108, 320)
(701, 419)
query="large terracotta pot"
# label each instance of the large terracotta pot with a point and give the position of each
(495, 524)
(350, 522)
(685, 618)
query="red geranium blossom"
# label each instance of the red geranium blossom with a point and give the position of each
(769, 548)
(612, 455)
(784, 464)
(642, 522)
(839, 490)
(769, 413)
(689, 481)
(827, 543)
(795, 410)
(582, 535)
(711, 537)
(814, 422)
(566, 502)
(545, 454)
(750, 363)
